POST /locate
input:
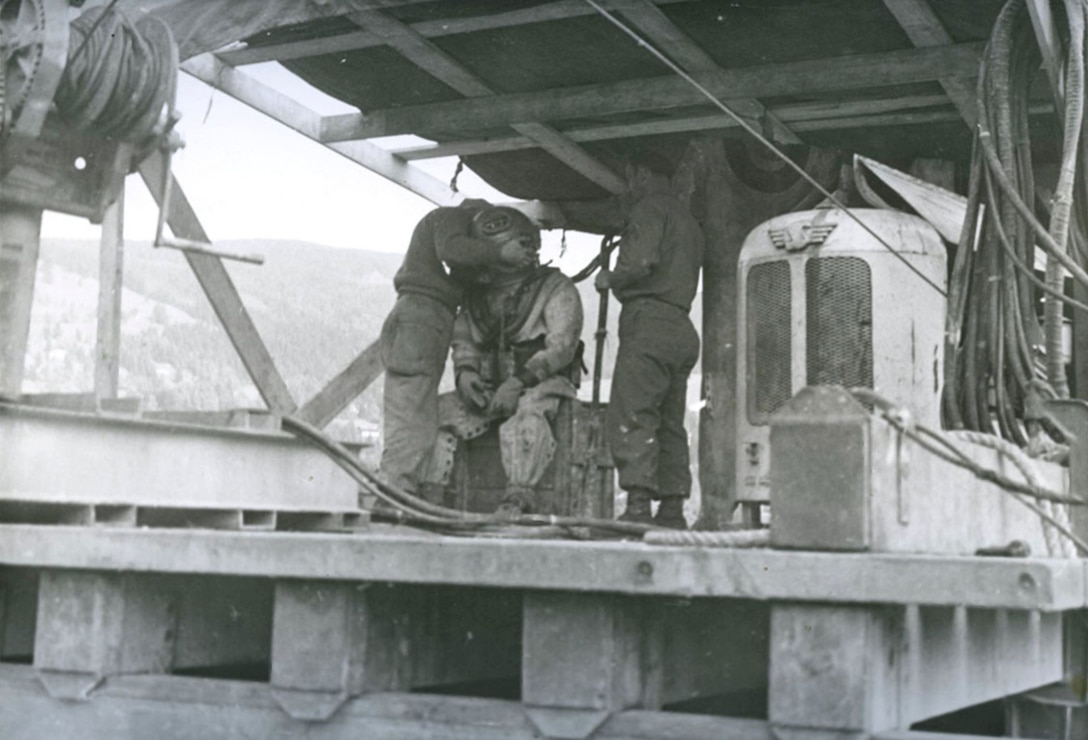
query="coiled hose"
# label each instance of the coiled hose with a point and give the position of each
(992, 331)
(120, 77)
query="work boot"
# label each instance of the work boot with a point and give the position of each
(670, 513)
(638, 507)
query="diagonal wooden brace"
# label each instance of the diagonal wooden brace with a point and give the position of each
(221, 292)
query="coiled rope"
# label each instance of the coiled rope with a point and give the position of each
(1057, 514)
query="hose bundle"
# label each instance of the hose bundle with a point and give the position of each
(993, 333)
(404, 507)
(120, 77)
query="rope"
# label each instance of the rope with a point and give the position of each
(456, 174)
(1055, 545)
(746, 538)
(941, 446)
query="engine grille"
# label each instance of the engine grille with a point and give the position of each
(839, 331)
(770, 350)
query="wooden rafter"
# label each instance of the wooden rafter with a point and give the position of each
(807, 116)
(791, 78)
(436, 62)
(924, 29)
(692, 58)
(357, 40)
(305, 121)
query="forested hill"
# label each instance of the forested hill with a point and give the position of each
(316, 308)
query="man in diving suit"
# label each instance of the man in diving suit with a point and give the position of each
(514, 342)
(415, 338)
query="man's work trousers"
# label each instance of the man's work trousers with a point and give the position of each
(645, 418)
(415, 342)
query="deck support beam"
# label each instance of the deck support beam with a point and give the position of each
(335, 640)
(847, 669)
(586, 656)
(92, 625)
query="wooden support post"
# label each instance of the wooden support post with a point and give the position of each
(93, 625)
(729, 209)
(334, 640)
(20, 240)
(111, 252)
(831, 672)
(585, 656)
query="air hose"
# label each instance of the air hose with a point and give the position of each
(418, 512)
(120, 77)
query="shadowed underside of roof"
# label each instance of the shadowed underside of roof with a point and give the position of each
(545, 98)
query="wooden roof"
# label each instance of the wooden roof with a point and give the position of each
(543, 98)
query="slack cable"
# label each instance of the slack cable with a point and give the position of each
(759, 137)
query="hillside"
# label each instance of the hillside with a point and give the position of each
(316, 307)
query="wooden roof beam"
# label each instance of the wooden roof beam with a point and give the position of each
(810, 116)
(693, 59)
(436, 62)
(791, 78)
(358, 40)
(924, 29)
(307, 122)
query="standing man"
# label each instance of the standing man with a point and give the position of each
(415, 337)
(655, 278)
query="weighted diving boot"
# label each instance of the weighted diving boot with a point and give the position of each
(432, 493)
(518, 500)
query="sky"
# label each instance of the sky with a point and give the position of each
(249, 177)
